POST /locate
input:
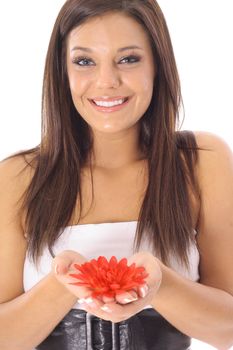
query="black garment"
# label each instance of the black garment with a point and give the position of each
(147, 330)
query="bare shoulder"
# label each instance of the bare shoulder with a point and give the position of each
(212, 145)
(14, 178)
(15, 165)
(215, 166)
(15, 175)
(215, 228)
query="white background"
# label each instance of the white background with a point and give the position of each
(201, 32)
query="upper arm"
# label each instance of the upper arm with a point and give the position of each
(12, 241)
(215, 227)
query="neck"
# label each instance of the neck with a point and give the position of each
(114, 151)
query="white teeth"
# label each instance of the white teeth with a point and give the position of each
(109, 104)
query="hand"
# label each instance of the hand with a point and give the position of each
(121, 309)
(62, 266)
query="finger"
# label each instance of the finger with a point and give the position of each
(108, 299)
(95, 308)
(127, 297)
(143, 290)
(118, 310)
(63, 261)
(90, 303)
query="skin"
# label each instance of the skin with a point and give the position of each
(109, 72)
(207, 305)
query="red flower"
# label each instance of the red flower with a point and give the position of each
(109, 278)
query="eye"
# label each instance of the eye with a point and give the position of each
(82, 61)
(130, 59)
(85, 61)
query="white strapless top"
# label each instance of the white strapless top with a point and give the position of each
(93, 240)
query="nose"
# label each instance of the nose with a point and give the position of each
(108, 77)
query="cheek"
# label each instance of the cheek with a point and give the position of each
(147, 82)
(78, 85)
(145, 85)
(146, 91)
(142, 82)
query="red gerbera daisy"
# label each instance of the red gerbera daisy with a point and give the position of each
(108, 278)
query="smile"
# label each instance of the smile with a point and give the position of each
(110, 105)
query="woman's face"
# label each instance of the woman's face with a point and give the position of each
(111, 72)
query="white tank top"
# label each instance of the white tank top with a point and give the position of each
(93, 240)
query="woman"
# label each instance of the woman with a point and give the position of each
(112, 170)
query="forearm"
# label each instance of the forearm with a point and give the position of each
(199, 311)
(27, 320)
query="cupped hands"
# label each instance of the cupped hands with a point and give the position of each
(120, 307)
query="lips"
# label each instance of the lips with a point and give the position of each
(123, 99)
(109, 99)
(110, 104)
(120, 102)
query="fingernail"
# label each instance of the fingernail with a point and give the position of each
(144, 291)
(89, 300)
(129, 300)
(81, 301)
(130, 297)
(56, 269)
(106, 308)
(133, 295)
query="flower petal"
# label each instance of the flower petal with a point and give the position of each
(109, 278)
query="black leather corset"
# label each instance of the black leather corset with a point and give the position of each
(147, 330)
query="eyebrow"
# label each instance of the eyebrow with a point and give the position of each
(86, 49)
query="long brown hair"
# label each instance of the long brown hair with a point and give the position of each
(66, 143)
